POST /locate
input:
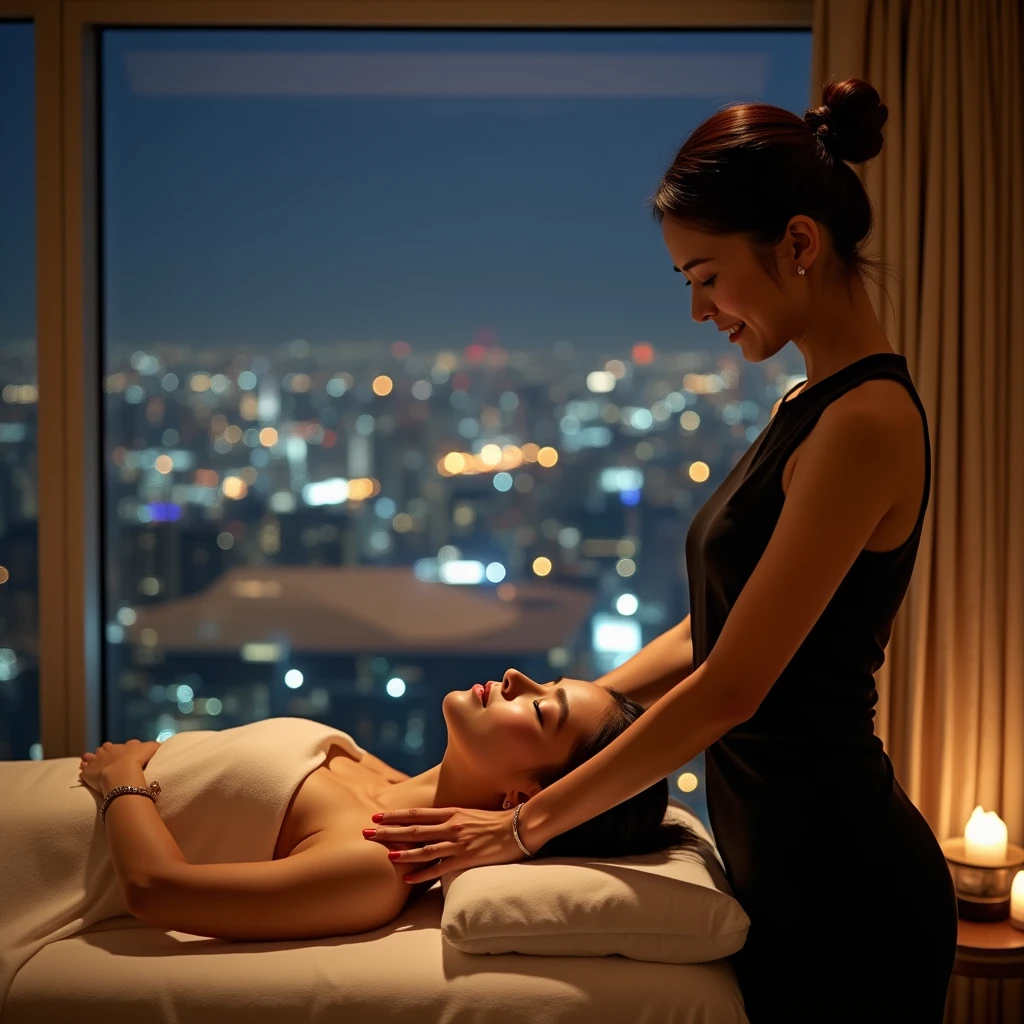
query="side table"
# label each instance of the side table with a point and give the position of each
(989, 949)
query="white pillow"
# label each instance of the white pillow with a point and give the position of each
(672, 907)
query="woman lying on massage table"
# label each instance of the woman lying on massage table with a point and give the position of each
(506, 741)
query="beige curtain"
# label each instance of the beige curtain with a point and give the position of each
(948, 194)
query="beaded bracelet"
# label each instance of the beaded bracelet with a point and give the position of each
(151, 791)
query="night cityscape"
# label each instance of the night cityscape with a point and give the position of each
(480, 483)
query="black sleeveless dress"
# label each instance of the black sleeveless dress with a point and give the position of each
(852, 907)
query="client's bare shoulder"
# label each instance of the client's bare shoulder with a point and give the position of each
(328, 816)
(376, 891)
(335, 799)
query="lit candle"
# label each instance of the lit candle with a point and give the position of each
(985, 838)
(1017, 901)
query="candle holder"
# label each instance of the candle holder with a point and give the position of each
(982, 890)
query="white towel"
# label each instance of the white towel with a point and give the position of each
(223, 797)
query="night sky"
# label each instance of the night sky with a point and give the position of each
(354, 185)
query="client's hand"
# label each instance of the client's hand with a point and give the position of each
(93, 765)
(454, 837)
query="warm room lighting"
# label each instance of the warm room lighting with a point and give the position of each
(985, 838)
(1017, 901)
(983, 865)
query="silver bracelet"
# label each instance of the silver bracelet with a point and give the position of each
(515, 832)
(151, 791)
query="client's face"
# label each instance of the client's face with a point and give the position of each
(503, 731)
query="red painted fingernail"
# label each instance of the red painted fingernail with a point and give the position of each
(408, 878)
(379, 817)
(369, 833)
(394, 855)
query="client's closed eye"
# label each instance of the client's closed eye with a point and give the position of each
(540, 715)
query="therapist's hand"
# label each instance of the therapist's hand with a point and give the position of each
(452, 838)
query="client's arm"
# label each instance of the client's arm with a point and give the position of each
(335, 887)
(654, 670)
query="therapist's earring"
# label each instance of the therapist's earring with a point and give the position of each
(800, 270)
(506, 805)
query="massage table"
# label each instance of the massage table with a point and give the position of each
(121, 971)
(70, 952)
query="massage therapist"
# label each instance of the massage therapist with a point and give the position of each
(797, 565)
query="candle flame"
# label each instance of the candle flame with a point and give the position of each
(984, 826)
(985, 837)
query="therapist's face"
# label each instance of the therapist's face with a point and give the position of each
(517, 725)
(732, 286)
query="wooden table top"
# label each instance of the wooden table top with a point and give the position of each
(989, 949)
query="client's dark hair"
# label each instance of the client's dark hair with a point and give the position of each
(632, 827)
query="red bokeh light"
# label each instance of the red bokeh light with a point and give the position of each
(643, 353)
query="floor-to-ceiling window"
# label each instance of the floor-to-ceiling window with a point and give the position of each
(400, 389)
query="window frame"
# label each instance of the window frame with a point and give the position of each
(67, 209)
(53, 493)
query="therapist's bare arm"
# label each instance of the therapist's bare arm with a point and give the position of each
(654, 670)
